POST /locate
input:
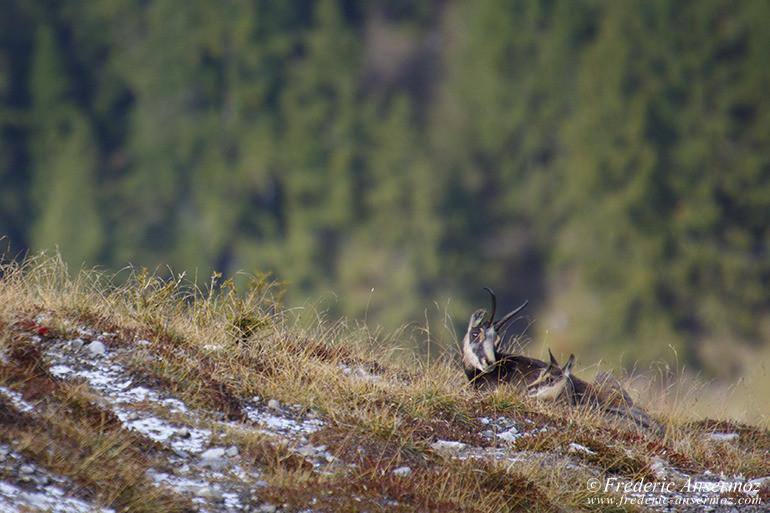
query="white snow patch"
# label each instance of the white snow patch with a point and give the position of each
(285, 425)
(15, 398)
(723, 437)
(54, 500)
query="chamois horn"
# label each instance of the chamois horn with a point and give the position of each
(491, 316)
(499, 324)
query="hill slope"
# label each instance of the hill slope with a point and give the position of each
(157, 396)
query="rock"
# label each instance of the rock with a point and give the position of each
(575, 448)
(181, 453)
(267, 508)
(232, 452)
(213, 453)
(273, 404)
(26, 469)
(183, 433)
(76, 344)
(214, 459)
(215, 464)
(402, 471)
(96, 348)
(447, 446)
(660, 469)
(510, 435)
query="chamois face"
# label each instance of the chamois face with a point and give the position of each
(479, 343)
(552, 382)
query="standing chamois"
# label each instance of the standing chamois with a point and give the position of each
(484, 365)
(605, 393)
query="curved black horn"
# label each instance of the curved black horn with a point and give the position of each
(499, 324)
(491, 315)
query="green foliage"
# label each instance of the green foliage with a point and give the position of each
(63, 161)
(608, 161)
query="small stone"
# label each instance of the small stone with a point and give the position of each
(76, 344)
(447, 446)
(510, 435)
(575, 448)
(215, 452)
(181, 453)
(96, 348)
(273, 404)
(183, 433)
(260, 484)
(267, 508)
(26, 469)
(402, 471)
(232, 452)
(215, 464)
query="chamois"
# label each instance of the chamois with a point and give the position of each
(605, 393)
(487, 367)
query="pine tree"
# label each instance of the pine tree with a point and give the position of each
(64, 162)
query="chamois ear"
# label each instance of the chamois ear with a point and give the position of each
(568, 366)
(553, 360)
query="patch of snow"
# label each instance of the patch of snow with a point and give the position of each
(15, 398)
(723, 437)
(53, 499)
(285, 425)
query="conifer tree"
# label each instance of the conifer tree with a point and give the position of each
(63, 161)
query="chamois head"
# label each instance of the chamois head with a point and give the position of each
(482, 338)
(553, 381)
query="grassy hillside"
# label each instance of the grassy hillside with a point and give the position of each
(165, 396)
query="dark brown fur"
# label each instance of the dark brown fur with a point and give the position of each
(516, 370)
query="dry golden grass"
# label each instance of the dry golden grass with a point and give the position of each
(215, 349)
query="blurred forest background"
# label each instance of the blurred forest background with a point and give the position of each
(609, 161)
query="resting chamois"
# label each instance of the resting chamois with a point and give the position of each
(558, 384)
(484, 365)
